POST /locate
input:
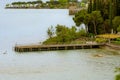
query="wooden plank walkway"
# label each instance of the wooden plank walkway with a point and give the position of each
(30, 48)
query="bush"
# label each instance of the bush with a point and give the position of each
(100, 40)
(116, 42)
(118, 39)
(82, 33)
(117, 77)
(51, 41)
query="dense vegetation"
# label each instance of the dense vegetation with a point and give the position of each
(102, 16)
(117, 77)
(64, 35)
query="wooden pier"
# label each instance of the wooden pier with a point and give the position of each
(31, 48)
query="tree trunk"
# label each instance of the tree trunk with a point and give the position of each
(94, 28)
(86, 26)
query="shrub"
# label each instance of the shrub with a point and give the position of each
(118, 39)
(82, 33)
(117, 77)
(100, 40)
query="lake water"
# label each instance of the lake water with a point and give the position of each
(29, 27)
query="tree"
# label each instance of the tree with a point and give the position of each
(80, 33)
(84, 1)
(90, 6)
(72, 33)
(118, 29)
(110, 13)
(50, 32)
(96, 19)
(116, 23)
(94, 5)
(80, 17)
(106, 26)
(14, 4)
(62, 33)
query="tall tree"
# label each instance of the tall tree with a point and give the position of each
(96, 19)
(82, 17)
(111, 12)
(90, 6)
(116, 23)
(94, 5)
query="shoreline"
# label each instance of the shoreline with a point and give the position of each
(113, 46)
(31, 8)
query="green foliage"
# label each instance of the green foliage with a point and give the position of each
(106, 26)
(116, 42)
(118, 29)
(92, 20)
(117, 77)
(100, 40)
(117, 69)
(81, 33)
(90, 34)
(52, 40)
(108, 9)
(96, 19)
(50, 32)
(118, 39)
(39, 4)
(84, 1)
(116, 23)
(63, 35)
(82, 4)
(63, 1)
(80, 17)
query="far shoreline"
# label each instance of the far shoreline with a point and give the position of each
(31, 8)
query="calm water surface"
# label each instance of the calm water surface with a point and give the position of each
(30, 26)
